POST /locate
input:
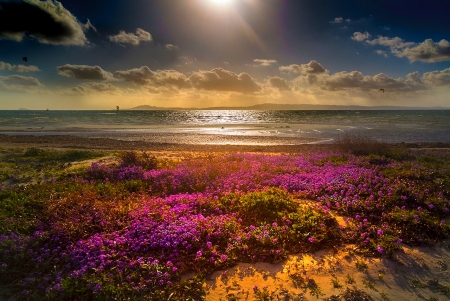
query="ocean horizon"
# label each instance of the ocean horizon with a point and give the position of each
(233, 126)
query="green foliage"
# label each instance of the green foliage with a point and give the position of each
(360, 145)
(266, 224)
(312, 227)
(61, 156)
(356, 294)
(370, 285)
(336, 283)
(143, 159)
(361, 265)
(384, 296)
(349, 279)
(380, 153)
(264, 294)
(261, 207)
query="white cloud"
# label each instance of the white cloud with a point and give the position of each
(381, 52)
(265, 63)
(171, 47)
(393, 43)
(428, 51)
(89, 25)
(339, 20)
(130, 38)
(312, 67)
(438, 78)
(360, 37)
(186, 60)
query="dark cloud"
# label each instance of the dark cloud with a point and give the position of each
(312, 67)
(145, 76)
(279, 83)
(18, 80)
(130, 38)
(87, 88)
(219, 79)
(428, 51)
(46, 21)
(18, 68)
(84, 72)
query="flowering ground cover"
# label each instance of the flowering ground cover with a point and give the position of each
(143, 229)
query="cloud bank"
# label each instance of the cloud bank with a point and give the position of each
(18, 68)
(84, 72)
(217, 79)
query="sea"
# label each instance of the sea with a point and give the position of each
(263, 127)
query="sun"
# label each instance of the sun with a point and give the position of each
(222, 2)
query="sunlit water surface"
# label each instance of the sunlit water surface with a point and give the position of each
(280, 127)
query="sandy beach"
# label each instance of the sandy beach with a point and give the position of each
(415, 273)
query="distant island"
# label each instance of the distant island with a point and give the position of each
(273, 106)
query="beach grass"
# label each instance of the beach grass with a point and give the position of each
(131, 225)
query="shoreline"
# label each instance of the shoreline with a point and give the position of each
(153, 143)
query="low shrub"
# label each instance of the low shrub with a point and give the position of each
(143, 159)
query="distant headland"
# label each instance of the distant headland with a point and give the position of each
(272, 106)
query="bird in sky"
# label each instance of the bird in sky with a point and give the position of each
(25, 59)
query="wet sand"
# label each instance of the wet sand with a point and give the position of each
(179, 142)
(159, 142)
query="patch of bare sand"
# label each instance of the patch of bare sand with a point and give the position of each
(415, 273)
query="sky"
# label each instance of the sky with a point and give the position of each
(98, 54)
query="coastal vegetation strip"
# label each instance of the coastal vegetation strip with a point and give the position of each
(84, 225)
